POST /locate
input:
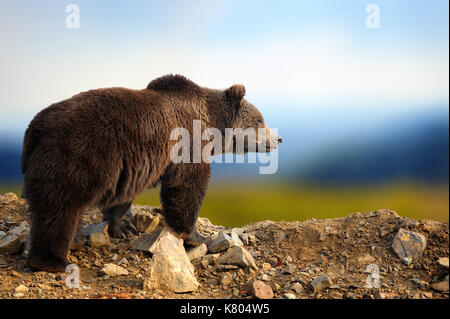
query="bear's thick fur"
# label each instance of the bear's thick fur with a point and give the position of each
(103, 147)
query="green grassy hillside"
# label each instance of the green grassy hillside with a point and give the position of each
(237, 203)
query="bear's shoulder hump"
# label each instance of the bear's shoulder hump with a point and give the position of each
(172, 82)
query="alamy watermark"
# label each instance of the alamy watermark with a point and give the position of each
(73, 17)
(373, 19)
(373, 279)
(73, 278)
(207, 145)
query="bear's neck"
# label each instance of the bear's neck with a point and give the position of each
(218, 111)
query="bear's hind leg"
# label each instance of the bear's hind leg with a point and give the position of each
(117, 227)
(52, 234)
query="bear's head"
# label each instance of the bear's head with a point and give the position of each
(250, 131)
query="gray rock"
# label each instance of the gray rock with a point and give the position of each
(297, 287)
(21, 231)
(289, 269)
(238, 256)
(265, 277)
(236, 240)
(146, 241)
(197, 252)
(2, 235)
(10, 244)
(171, 268)
(113, 270)
(280, 237)
(226, 267)
(238, 231)
(407, 261)
(247, 239)
(409, 244)
(220, 243)
(321, 283)
(123, 261)
(94, 235)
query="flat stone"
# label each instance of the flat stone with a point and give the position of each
(261, 290)
(441, 286)
(297, 287)
(443, 261)
(289, 296)
(409, 244)
(10, 244)
(113, 270)
(222, 242)
(123, 261)
(197, 252)
(2, 235)
(94, 235)
(21, 231)
(289, 269)
(266, 266)
(21, 289)
(386, 295)
(407, 261)
(97, 240)
(171, 268)
(321, 283)
(236, 240)
(226, 267)
(238, 256)
(247, 239)
(265, 277)
(147, 241)
(204, 262)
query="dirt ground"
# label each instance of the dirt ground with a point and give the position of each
(290, 257)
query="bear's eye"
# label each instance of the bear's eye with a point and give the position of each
(260, 121)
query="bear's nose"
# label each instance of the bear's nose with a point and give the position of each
(280, 140)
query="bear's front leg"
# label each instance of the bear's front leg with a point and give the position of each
(183, 187)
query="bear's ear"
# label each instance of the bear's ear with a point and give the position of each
(235, 94)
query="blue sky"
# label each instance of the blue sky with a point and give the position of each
(294, 57)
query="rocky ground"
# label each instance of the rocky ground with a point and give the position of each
(365, 255)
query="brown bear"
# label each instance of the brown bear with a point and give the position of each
(103, 147)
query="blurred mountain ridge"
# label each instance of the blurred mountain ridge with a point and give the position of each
(413, 148)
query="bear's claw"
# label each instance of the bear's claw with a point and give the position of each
(123, 230)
